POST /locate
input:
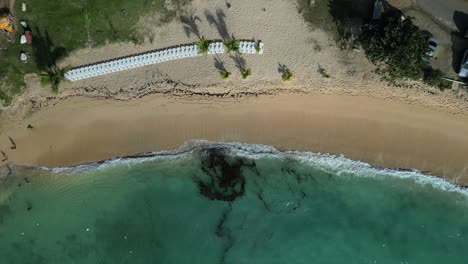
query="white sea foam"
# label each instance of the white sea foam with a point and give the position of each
(335, 164)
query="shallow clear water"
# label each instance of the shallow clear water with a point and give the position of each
(231, 204)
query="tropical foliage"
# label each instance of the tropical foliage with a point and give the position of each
(287, 75)
(433, 77)
(232, 44)
(225, 74)
(245, 73)
(60, 27)
(396, 46)
(203, 45)
(257, 46)
(54, 76)
(323, 72)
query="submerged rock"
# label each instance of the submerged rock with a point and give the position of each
(223, 179)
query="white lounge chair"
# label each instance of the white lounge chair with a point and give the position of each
(156, 57)
(249, 47)
(183, 51)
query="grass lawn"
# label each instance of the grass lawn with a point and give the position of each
(60, 26)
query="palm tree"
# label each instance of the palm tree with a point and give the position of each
(225, 74)
(53, 76)
(245, 73)
(322, 71)
(287, 75)
(257, 46)
(203, 45)
(232, 44)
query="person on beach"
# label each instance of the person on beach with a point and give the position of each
(30, 126)
(13, 143)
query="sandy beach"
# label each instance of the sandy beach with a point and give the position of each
(244, 207)
(384, 133)
(165, 105)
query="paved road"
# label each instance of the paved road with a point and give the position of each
(452, 13)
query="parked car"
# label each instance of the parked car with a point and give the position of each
(376, 14)
(432, 45)
(464, 66)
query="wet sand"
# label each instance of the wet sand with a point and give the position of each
(386, 133)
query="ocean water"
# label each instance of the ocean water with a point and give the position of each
(230, 203)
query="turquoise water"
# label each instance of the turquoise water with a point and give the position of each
(231, 204)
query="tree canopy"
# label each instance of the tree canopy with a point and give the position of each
(54, 76)
(203, 45)
(232, 44)
(396, 46)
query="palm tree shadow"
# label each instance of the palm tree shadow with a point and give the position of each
(282, 68)
(239, 61)
(190, 25)
(219, 65)
(218, 19)
(46, 53)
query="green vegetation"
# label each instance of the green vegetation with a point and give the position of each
(5, 97)
(225, 74)
(53, 77)
(12, 71)
(60, 27)
(75, 24)
(433, 77)
(203, 45)
(245, 73)
(323, 72)
(396, 46)
(257, 46)
(287, 75)
(232, 44)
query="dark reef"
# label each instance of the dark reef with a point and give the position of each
(225, 233)
(223, 178)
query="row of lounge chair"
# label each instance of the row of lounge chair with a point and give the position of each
(249, 47)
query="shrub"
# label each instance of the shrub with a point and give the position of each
(257, 46)
(287, 75)
(224, 74)
(245, 73)
(54, 76)
(232, 44)
(323, 72)
(433, 77)
(396, 46)
(203, 45)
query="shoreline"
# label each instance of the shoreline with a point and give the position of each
(256, 151)
(383, 133)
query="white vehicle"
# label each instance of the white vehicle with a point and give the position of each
(464, 66)
(432, 43)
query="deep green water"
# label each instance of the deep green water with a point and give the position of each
(214, 206)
